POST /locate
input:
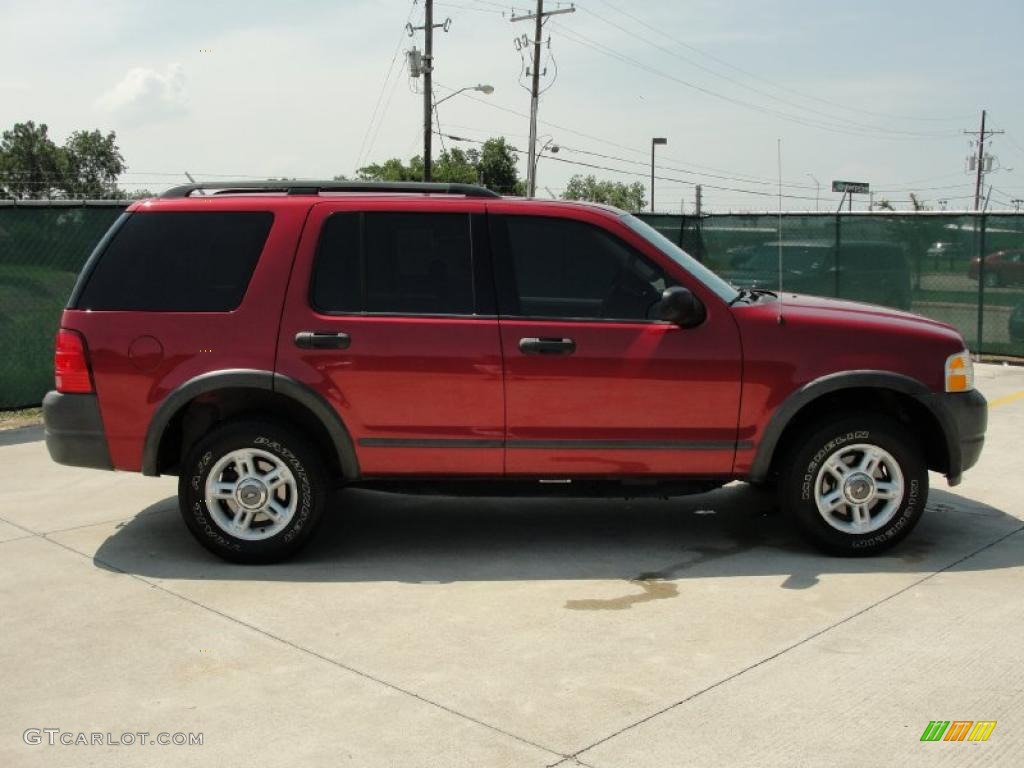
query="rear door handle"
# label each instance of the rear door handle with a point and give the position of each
(322, 340)
(547, 346)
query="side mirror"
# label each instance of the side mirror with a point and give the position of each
(678, 305)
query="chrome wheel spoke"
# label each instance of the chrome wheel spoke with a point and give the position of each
(888, 490)
(837, 467)
(221, 490)
(276, 477)
(243, 517)
(245, 464)
(860, 514)
(832, 501)
(869, 463)
(274, 510)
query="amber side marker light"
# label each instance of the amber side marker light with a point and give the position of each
(71, 363)
(959, 372)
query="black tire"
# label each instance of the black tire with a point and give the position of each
(293, 451)
(800, 475)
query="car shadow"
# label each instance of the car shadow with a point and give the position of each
(734, 531)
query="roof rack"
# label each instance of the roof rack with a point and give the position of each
(316, 187)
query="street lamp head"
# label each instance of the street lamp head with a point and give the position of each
(659, 141)
(485, 89)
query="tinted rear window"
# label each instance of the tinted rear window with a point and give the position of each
(178, 262)
(401, 263)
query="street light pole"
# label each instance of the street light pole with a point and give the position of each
(654, 143)
(554, 150)
(487, 90)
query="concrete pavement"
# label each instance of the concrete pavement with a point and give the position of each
(443, 632)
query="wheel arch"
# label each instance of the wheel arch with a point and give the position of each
(903, 398)
(198, 404)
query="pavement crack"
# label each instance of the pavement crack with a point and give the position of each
(308, 651)
(575, 755)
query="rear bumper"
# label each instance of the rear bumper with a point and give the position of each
(965, 417)
(74, 431)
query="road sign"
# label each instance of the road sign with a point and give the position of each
(854, 187)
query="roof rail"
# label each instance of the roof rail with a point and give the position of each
(316, 187)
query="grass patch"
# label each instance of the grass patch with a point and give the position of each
(23, 417)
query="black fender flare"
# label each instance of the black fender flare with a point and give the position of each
(860, 379)
(251, 379)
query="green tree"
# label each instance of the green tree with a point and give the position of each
(89, 165)
(392, 170)
(33, 167)
(29, 162)
(628, 197)
(497, 167)
(493, 165)
(457, 167)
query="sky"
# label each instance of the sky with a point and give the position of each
(875, 91)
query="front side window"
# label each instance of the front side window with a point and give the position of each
(400, 263)
(569, 269)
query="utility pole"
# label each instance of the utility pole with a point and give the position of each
(428, 91)
(980, 170)
(697, 202)
(538, 31)
(427, 69)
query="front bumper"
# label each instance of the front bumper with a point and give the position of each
(74, 431)
(964, 418)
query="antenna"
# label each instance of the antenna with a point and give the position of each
(779, 154)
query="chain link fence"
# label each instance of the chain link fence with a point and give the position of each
(42, 249)
(925, 263)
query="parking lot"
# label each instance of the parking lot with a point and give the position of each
(497, 632)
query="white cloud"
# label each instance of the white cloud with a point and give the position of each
(144, 95)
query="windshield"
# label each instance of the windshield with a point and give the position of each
(721, 288)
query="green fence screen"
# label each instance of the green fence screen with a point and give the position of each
(42, 249)
(926, 263)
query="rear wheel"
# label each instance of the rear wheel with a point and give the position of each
(856, 486)
(252, 491)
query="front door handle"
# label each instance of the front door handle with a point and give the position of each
(547, 346)
(322, 340)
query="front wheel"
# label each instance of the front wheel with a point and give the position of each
(252, 491)
(856, 486)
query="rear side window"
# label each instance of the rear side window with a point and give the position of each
(178, 262)
(401, 263)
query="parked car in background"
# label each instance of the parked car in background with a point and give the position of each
(269, 342)
(1016, 324)
(875, 272)
(1001, 268)
(944, 256)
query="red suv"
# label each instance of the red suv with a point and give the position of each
(266, 342)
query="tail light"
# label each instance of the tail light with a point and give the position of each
(71, 363)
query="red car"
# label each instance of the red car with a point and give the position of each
(1001, 268)
(266, 343)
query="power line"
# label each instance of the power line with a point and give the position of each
(636, 173)
(741, 84)
(383, 87)
(797, 119)
(765, 80)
